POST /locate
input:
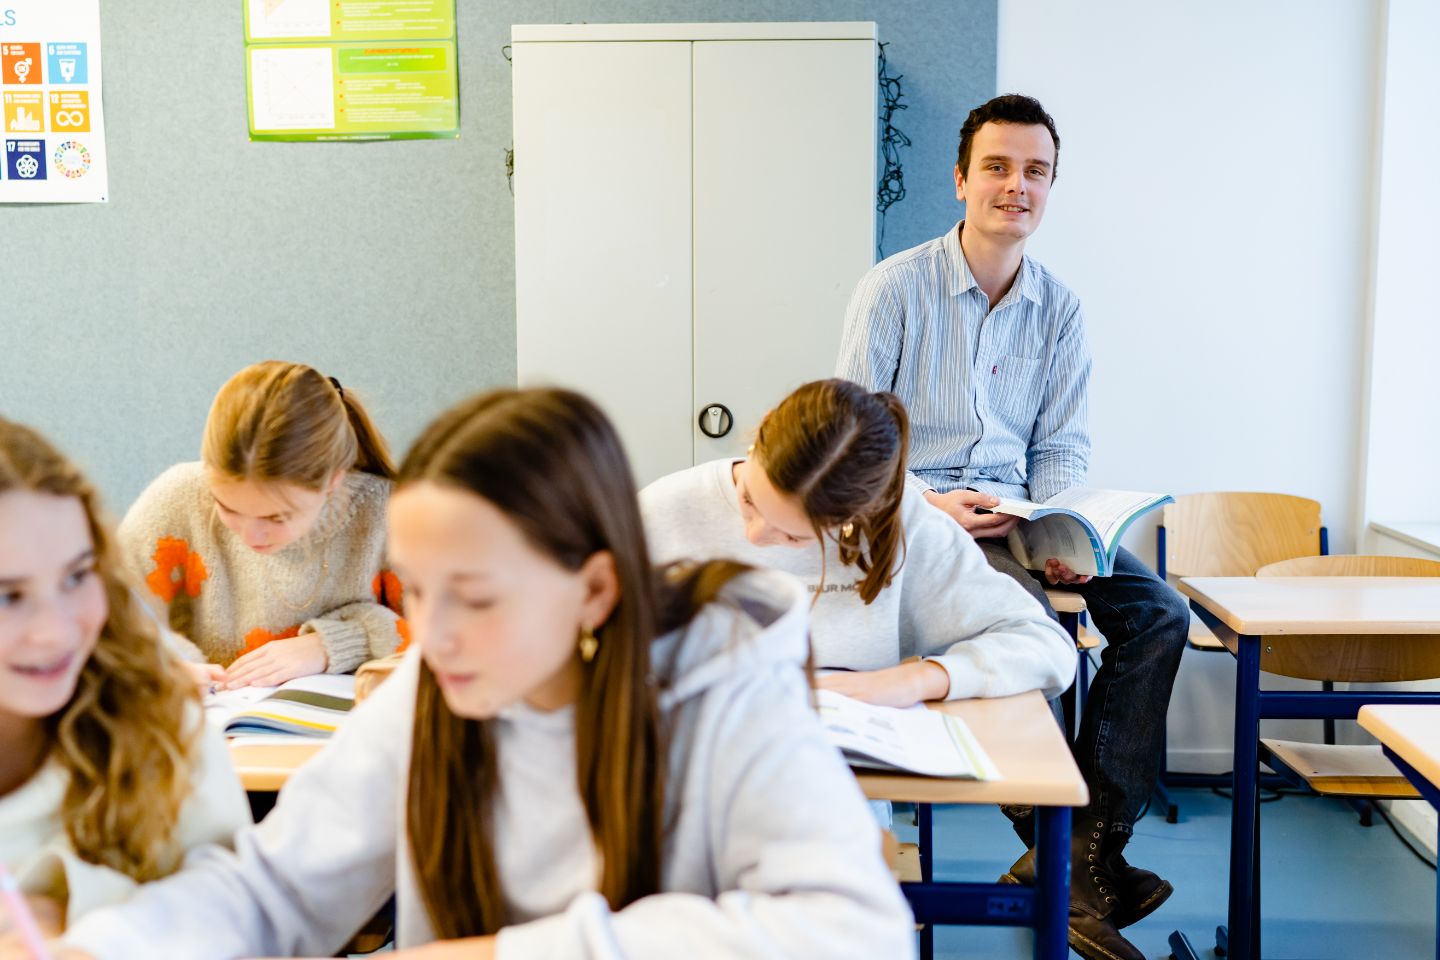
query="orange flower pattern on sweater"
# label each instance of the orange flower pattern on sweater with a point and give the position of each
(388, 590)
(176, 567)
(258, 637)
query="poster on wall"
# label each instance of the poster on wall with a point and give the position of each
(321, 70)
(53, 149)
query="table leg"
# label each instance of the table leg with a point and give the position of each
(1052, 876)
(1244, 934)
(927, 873)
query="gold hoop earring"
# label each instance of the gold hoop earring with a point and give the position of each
(588, 644)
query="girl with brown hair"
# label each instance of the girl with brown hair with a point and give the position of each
(891, 577)
(266, 556)
(589, 758)
(107, 772)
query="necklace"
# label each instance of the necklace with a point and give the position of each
(315, 591)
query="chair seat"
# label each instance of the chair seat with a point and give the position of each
(1202, 639)
(1087, 639)
(1065, 601)
(1342, 770)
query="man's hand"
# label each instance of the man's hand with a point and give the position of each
(961, 504)
(1057, 573)
(278, 661)
(901, 686)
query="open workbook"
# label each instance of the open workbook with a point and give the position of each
(305, 707)
(914, 740)
(1081, 527)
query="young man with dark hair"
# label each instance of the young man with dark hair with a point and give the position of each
(987, 350)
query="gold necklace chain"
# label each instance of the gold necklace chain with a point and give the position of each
(305, 604)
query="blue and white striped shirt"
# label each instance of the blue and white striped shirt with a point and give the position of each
(997, 398)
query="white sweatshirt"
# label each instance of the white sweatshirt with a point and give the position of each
(36, 849)
(945, 603)
(771, 852)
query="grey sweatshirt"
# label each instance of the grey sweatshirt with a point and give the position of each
(772, 852)
(945, 602)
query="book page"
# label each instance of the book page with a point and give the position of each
(916, 740)
(1057, 536)
(1110, 511)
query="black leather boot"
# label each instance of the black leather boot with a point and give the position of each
(1141, 891)
(1094, 895)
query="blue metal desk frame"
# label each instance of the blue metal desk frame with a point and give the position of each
(1242, 941)
(1044, 908)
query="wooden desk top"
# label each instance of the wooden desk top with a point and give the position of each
(1261, 606)
(1019, 733)
(264, 767)
(1022, 738)
(1412, 730)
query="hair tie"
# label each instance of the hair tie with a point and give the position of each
(338, 389)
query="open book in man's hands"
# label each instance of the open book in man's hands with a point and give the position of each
(914, 740)
(1081, 527)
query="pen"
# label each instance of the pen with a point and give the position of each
(20, 915)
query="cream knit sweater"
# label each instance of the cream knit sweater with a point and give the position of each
(227, 600)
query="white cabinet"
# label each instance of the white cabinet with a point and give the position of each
(693, 205)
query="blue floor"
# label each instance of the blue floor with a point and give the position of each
(1331, 889)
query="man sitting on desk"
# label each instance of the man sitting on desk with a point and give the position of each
(987, 350)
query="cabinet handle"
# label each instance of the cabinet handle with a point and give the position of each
(716, 420)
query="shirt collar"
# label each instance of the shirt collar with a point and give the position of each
(1027, 284)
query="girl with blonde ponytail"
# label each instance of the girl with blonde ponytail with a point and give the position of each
(266, 556)
(891, 578)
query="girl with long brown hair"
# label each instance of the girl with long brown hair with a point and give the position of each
(588, 759)
(266, 556)
(107, 773)
(890, 576)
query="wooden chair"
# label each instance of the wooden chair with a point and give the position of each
(1230, 535)
(1351, 772)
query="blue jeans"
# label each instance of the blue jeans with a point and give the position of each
(1122, 731)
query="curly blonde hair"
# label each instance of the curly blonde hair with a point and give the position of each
(127, 738)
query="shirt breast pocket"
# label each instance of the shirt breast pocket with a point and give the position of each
(1014, 397)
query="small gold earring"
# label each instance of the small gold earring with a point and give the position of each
(588, 644)
(847, 531)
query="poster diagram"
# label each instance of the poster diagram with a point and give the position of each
(53, 146)
(351, 69)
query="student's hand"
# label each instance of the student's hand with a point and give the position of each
(207, 676)
(900, 686)
(961, 504)
(278, 661)
(1057, 573)
(49, 915)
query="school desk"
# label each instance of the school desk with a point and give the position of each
(1243, 612)
(1021, 736)
(1410, 736)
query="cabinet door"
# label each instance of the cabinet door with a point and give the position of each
(602, 235)
(785, 142)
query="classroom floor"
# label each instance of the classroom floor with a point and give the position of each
(1331, 889)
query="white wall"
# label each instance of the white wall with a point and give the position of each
(1402, 459)
(1213, 211)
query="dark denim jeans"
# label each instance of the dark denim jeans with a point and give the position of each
(1145, 624)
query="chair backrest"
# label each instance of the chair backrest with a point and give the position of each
(1235, 534)
(1351, 565)
(1369, 659)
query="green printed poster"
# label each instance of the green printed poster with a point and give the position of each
(389, 86)
(283, 21)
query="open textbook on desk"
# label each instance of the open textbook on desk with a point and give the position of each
(913, 740)
(304, 707)
(1081, 527)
